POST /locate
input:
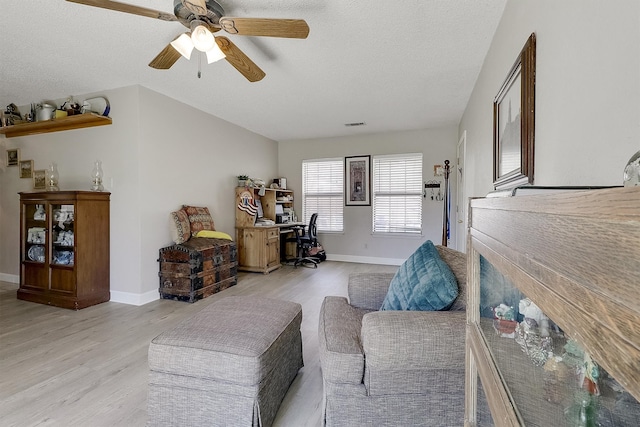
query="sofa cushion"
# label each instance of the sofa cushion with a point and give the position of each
(180, 226)
(405, 351)
(423, 282)
(199, 218)
(457, 262)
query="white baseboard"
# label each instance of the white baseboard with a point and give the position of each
(11, 278)
(134, 299)
(364, 259)
(116, 296)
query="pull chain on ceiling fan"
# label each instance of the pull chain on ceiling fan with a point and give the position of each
(203, 18)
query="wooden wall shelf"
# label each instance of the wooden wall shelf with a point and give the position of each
(56, 125)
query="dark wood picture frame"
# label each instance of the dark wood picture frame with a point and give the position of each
(13, 157)
(357, 183)
(514, 134)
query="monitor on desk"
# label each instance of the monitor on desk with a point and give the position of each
(260, 211)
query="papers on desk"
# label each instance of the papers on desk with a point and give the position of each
(264, 222)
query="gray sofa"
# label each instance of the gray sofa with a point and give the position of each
(393, 368)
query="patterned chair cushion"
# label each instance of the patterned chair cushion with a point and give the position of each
(199, 219)
(423, 282)
(180, 226)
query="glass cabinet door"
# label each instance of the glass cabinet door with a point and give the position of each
(35, 248)
(62, 235)
(551, 380)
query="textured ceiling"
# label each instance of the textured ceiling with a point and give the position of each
(395, 65)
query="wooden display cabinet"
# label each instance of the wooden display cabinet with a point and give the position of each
(576, 256)
(64, 248)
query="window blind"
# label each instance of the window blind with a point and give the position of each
(323, 193)
(397, 193)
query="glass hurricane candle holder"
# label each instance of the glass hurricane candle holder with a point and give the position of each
(96, 175)
(52, 177)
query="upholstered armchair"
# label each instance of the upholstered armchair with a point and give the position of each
(393, 368)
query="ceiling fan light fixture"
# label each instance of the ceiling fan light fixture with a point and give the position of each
(215, 54)
(183, 45)
(202, 38)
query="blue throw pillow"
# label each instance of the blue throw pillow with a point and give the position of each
(424, 282)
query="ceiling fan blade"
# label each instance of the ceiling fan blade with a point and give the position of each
(291, 28)
(239, 60)
(165, 59)
(199, 7)
(127, 8)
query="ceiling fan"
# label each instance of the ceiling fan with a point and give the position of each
(203, 18)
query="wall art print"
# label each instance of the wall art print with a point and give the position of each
(358, 180)
(26, 168)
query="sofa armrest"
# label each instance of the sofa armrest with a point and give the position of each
(341, 355)
(367, 290)
(408, 351)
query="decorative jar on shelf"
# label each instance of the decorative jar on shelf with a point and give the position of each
(96, 175)
(52, 177)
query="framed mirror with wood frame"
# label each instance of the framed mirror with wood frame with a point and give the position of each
(514, 122)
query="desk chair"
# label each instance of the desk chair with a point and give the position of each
(305, 240)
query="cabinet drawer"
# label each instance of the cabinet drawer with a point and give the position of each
(272, 233)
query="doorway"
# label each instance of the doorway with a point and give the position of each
(461, 198)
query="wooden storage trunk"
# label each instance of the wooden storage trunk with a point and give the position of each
(197, 268)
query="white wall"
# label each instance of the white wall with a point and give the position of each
(357, 243)
(190, 157)
(587, 91)
(159, 154)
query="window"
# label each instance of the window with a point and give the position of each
(397, 194)
(323, 192)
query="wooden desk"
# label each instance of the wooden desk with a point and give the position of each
(291, 225)
(259, 245)
(258, 248)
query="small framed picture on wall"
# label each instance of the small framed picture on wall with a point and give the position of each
(26, 168)
(13, 156)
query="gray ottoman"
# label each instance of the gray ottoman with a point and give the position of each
(229, 365)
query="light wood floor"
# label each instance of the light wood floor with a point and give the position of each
(61, 367)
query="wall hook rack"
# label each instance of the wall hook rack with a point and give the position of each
(432, 185)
